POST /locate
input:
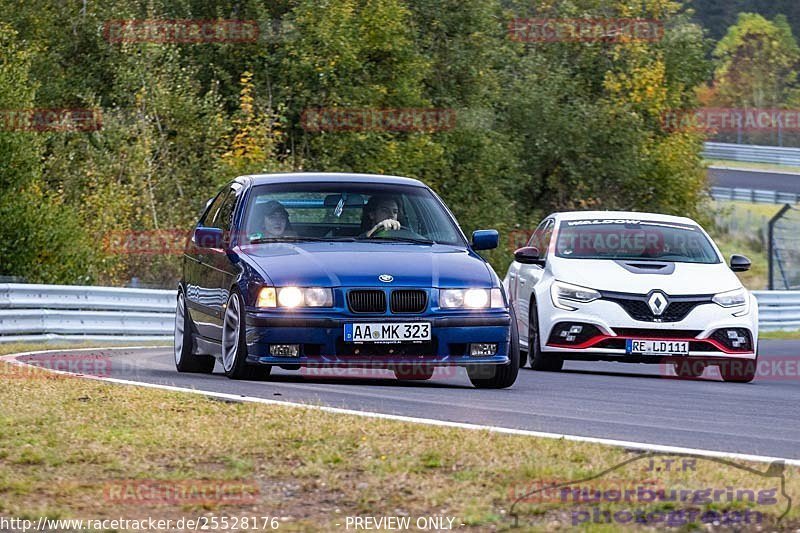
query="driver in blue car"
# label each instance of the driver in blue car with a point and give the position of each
(380, 214)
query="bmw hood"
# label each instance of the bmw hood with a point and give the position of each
(639, 277)
(336, 264)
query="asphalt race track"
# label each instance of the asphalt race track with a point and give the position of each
(748, 179)
(605, 400)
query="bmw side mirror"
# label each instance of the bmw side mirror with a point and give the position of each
(207, 237)
(485, 239)
(528, 255)
(740, 263)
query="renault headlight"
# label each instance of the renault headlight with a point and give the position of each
(564, 294)
(735, 298)
(731, 298)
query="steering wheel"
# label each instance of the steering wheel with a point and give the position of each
(403, 232)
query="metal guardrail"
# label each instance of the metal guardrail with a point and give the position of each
(33, 313)
(778, 310)
(36, 313)
(750, 153)
(754, 196)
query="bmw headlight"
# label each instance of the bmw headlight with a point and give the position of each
(319, 297)
(266, 297)
(563, 294)
(292, 297)
(736, 298)
(470, 298)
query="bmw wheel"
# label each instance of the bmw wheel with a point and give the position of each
(499, 376)
(234, 344)
(185, 360)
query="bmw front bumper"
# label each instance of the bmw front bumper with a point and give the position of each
(321, 339)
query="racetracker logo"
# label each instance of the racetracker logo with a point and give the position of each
(181, 31)
(195, 492)
(348, 119)
(147, 242)
(617, 30)
(411, 371)
(51, 120)
(766, 368)
(166, 241)
(39, 366)
(518, 238)
(727, 120)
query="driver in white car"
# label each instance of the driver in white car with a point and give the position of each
(380, 214)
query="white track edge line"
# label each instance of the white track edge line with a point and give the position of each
(12, 358)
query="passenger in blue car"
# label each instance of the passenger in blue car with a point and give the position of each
(380, 214)
(275, 221)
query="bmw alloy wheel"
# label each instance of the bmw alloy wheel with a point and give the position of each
(230, 333)
(180, 333)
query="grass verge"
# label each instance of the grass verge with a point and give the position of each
(780, 335)
(67, 445)
(753, 166)
(739, 229)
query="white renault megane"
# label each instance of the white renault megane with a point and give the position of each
(632, 287)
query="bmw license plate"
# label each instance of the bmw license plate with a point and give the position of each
(638, 347)
(388, 333)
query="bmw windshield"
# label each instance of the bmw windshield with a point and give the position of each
(377, 213)
(633, 239)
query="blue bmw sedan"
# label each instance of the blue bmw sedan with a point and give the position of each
(354, 270)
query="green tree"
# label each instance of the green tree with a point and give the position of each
(539, 126)
(354, 54)
(159, 147)
(717, 17)
(756, 63)
(586, 116)
(40, 237)
(256, 137)
(466, 41)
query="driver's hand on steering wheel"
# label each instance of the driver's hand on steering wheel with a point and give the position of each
(389, 224)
